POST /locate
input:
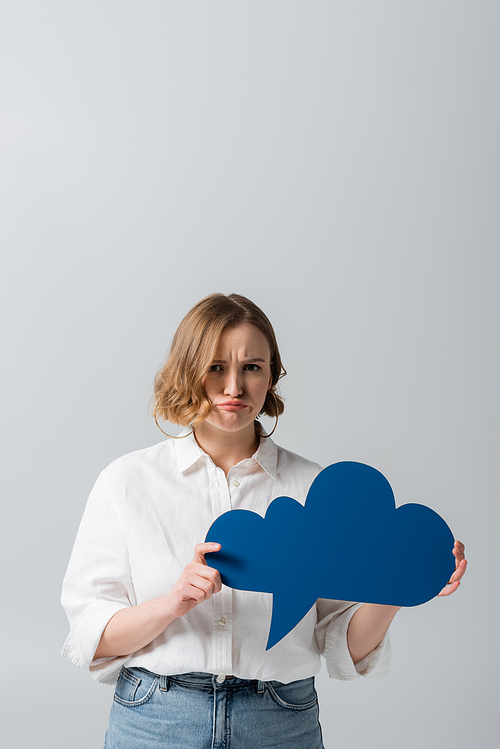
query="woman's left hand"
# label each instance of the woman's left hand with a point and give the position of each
(460, 567)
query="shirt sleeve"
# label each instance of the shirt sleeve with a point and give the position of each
(331, 637)
(98, 582)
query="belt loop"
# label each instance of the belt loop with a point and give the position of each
(164, 683)
(261, 687)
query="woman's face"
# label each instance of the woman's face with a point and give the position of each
(239, 378)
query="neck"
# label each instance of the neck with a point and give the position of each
(227, 448)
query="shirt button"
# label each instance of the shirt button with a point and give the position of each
(236, 483)
(248, 462)
(222, 621)
(221, 678)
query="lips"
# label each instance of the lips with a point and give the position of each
(232, 406)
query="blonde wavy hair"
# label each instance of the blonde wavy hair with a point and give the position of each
(178, 393)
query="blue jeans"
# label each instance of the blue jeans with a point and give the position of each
(193, 711)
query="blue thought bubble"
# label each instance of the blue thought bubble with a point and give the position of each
(348, 542)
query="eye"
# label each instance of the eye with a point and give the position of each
(252, 367)
(215, 368)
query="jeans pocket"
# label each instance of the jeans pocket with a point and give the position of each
(297, 695)
(135, 687)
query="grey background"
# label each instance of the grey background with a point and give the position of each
(337, 162)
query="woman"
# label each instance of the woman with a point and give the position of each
(147, 613)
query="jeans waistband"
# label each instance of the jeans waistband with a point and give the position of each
(198, 677)
(203, 680)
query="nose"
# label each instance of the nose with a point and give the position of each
(233, 384)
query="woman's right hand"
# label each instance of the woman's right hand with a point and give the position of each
(197, 583)
(134, 627)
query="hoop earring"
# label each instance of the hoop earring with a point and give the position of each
(276, 422)
(274, 429)
(171, 435)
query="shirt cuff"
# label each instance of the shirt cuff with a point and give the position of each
(339, 663)
(84, 637)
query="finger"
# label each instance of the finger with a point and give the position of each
(195, 571)
(455, 579)
(459, 550)
(193, 592)
(201, 549)
(206, 585)
(209, 583)
(460, 571)
(459, 554)
(202, 587)
(449, 589)
(204, 572)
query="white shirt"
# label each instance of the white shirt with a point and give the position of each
(144, 516)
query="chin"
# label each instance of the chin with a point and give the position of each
(234, 424)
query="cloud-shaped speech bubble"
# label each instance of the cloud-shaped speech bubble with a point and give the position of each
(348, 542)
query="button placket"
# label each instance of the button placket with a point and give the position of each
(222, 602)
(224, 631)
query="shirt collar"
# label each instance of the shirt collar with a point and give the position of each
(267, 456)
(189, 452)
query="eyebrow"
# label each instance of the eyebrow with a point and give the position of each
(245, 361)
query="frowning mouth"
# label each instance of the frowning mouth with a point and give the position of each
(232, 406)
